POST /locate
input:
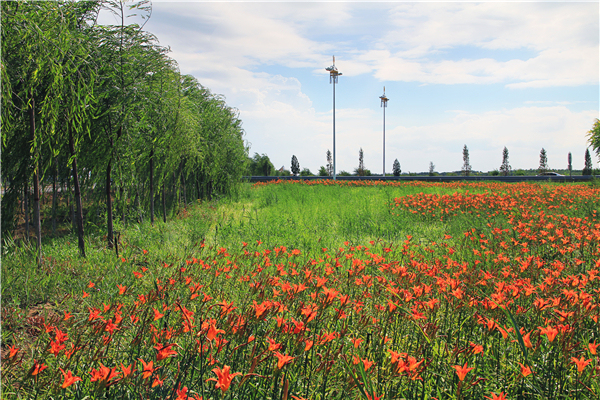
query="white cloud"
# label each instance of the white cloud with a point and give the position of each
(562, 38)
(238, 49)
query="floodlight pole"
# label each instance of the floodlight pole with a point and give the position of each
(384, 101)
(333, 79)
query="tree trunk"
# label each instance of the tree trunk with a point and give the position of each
(174, 195)
(152, 187)
(183, 184)
(164, 203)
(123, 204)
(54, 197)
(26, 208)
(36, 183)
(70, 206)
(138, 204)
(77, 198)
(109, 216)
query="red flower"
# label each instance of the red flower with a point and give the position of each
(126, 370)
(525, 370)
(581, 363)
(224, 377)
(69, 378)
(462, 371)
(164, 351)
(13, 351)
(549, 331)
(147, 369)
(497, 397)
(37, 368)
(282, 359)
(122, 289)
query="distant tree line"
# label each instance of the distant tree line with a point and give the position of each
(102, 116)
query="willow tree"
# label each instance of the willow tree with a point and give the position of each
(120, 57)
(44, 60)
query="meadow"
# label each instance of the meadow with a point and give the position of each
(319, 290)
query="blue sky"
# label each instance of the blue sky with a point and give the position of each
(488, 75)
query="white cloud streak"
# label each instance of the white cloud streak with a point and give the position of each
(237, 48)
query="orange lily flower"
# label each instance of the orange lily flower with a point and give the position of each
(495, 396)
(581, 363)
(462, 371)
(147, 368)
(69, 378)
(525, 370)
(224, 377)
(282, 359)
(164, 351)
(126, 370)
(37, 368)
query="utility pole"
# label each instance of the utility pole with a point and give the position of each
(333, 79)
(384, 101)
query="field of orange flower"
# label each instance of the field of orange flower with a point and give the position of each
(508, 308)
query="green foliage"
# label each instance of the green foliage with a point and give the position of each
(543, 162)
(344, 173)
(295, 166)
(505, 167)
(108, 98)
(466, 168)
(587, 167)
(594, 136)
(396, 170)
(323, 171)
(260, 165)
(306, 172)
(361, 170)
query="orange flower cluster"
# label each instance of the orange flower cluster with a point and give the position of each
(509, 304)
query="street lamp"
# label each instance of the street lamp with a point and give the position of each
(384, 101)
(333, 78)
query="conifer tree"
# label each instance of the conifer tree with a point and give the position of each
(360, 171)
(587, 167)
(295, 166)
(543, 162)
(466, 168)
(396, 168)
(505, 167)
(329, 166)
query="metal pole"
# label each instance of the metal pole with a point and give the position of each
(384, 101)
(334, 129)
(333, 75)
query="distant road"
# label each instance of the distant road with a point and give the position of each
(428, 178)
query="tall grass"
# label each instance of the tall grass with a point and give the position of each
(320, 292)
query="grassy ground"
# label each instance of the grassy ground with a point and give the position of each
(307, 217)
(316, 291)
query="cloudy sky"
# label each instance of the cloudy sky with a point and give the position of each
(518, 74)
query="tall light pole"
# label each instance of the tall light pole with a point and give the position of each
(384, 101)
(333, 78)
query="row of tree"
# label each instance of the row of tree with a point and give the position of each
(102, 112)
(466, 169)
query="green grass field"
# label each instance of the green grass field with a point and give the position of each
(319, 291)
